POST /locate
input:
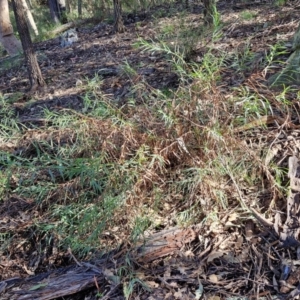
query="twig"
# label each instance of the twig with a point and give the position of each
(77, 262)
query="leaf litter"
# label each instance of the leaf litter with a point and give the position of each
(231, 255)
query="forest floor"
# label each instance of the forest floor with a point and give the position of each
(181, 151)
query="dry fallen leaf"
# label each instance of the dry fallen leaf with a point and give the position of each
(233, 217)
(182, 270)
(178, 295)
(213, 278)
(173, 284)
(216, 227)
(189, 253)
(214, 254)
(239, 242)
(151, 284)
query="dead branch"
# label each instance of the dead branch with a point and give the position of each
(291, 229)
(69, 25)
(84, 275)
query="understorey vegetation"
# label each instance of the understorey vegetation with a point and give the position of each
(169, 124)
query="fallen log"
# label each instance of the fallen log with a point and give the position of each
(68, 26)
(97, 273)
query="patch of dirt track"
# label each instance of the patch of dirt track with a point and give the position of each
(98, 53)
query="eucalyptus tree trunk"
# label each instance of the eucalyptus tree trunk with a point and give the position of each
(54, 11)
(30, 19)
(79, 8)
(118, 25)
(58, 11)
(7, 38)
(34, 72)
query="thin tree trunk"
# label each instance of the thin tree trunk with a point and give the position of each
(7, 38)
(79, 7)
(30, 18)
(34, 72)
(119, 25)
(58, 11)
(61, 4)
(54, 11)
(68, 6)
